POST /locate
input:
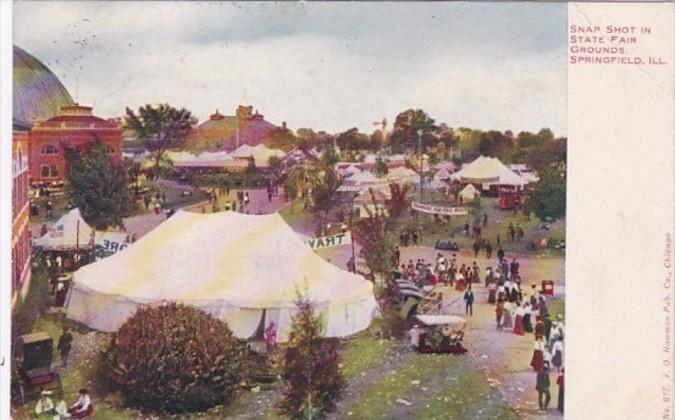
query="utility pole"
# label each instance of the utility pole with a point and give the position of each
(419, 158)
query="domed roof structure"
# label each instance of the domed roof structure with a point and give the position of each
(38, 93)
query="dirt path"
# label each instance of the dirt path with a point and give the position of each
(503, 356)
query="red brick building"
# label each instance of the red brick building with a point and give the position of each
(73, 127)
(37, 95)
(20, 212)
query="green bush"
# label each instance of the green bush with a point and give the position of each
(174, 358)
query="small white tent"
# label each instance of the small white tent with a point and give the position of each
(403, 175)
(69, 232)
(234, 266)
(469, 193)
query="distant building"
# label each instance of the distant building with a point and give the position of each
(73, 127)
(229, 132)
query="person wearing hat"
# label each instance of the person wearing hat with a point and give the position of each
(543, 388)
(45, 406)
(82, 407)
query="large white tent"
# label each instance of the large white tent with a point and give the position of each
(487, 170)
(234, 266)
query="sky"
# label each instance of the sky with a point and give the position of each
(328, 66)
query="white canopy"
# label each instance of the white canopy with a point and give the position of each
(469, 192)
(453, 320)
(364, 178)
(403, 174)
(487, 170)
(69, 232)
(231, 265)
(261, 153)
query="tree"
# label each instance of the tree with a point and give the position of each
(307, 138)
(398, 201)
(160, 127)
(547, 197)
(376, 141)
(380, 168)
(352, 140)
(282, 138)
(377, 245)
(406, 127)
(330, 156)
(98, 185)
(311, 367)
(174, 358)
(324, 184)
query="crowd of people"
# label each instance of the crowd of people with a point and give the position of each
(519, 309)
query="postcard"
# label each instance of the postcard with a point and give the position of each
(340, 210)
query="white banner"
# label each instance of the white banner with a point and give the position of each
(111, 241)
(445, 211)
(330, 241)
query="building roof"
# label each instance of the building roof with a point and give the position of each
(37, 93)
(77, 117)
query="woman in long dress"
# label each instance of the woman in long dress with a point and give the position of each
(518, 328)
(537, 361)
(527, 317)
(507, 321)
(459, 282)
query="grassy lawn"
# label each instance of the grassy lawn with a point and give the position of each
(466, 396)
(463, 393)
(295, 215)
(362, 352)
(498, 222)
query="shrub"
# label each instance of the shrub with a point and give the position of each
(174, 358)
(311, 367)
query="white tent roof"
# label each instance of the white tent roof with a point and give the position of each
(469, 192)
(403, 174)
(261, 153)
(488, 170)
(65, 233)
(229, 264)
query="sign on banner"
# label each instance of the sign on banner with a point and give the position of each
(330, 241)
(445, 211)
(111, 241)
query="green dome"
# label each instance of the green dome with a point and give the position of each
(38, 93)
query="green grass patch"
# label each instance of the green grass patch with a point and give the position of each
(294, 214)
(380, 397)
(556, 307)
(362, 352)
(467, 396)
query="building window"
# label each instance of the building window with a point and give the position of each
(49, 149)
(48, 171)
